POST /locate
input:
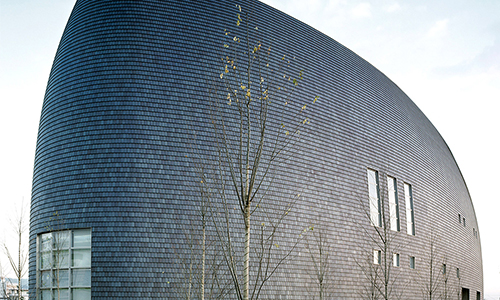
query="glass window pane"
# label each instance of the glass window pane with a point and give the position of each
(374, 216)
(46, 278)
(373, 195)
(63, 294)
(81, 238)
(410, 224)
(372, 190)
(60, 266)
(46, 262)
(376, 257)
(46, 295)
(81, 294)
(81, 277)
(81, 258)
(396, 259)
(61, 278)
(61, 240)
(61, 259)
(46, 242)
(393, 202)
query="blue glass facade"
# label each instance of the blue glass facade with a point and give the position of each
(128, 87)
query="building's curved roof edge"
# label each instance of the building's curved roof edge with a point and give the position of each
(395, 84)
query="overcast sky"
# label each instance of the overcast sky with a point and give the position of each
(444, 54)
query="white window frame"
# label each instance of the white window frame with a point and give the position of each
(413, 262)
(396, 260)
(392, 189)
(377, 257)
(410, 217)
(50, 251)
(374, 198)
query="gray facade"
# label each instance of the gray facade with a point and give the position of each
(125, 111)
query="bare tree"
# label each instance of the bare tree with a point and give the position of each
(371, 271)
(434, 271)
(382, 250)
(56, 243)
(189, 267)
(198, 258)
(445, 277)
(19, 257)
(320, 250)
(200, 268)
(3, 282)
(190, 257)
(251, 149)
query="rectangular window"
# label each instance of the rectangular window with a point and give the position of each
(460, 218)
(412, 262)
(374, 197)
(392, 187)
(410, 219)
(63, 264)
(444, 269)
(458, 273)
(377, 257)
(464, 221)
(395, 260)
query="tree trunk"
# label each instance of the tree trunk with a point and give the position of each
(246, 198)
(19, 271)
(202, 285)
(247, 253)
(190, 284)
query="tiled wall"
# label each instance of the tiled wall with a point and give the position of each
(125, 117)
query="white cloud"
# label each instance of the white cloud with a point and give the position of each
(421, 8)
(439, 29)
(393, 7)
(362, 10)
(334, 5)
(489, 58)
(486, 62)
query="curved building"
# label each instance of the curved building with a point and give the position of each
(114, 198)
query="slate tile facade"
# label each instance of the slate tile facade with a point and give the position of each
(127, 89)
